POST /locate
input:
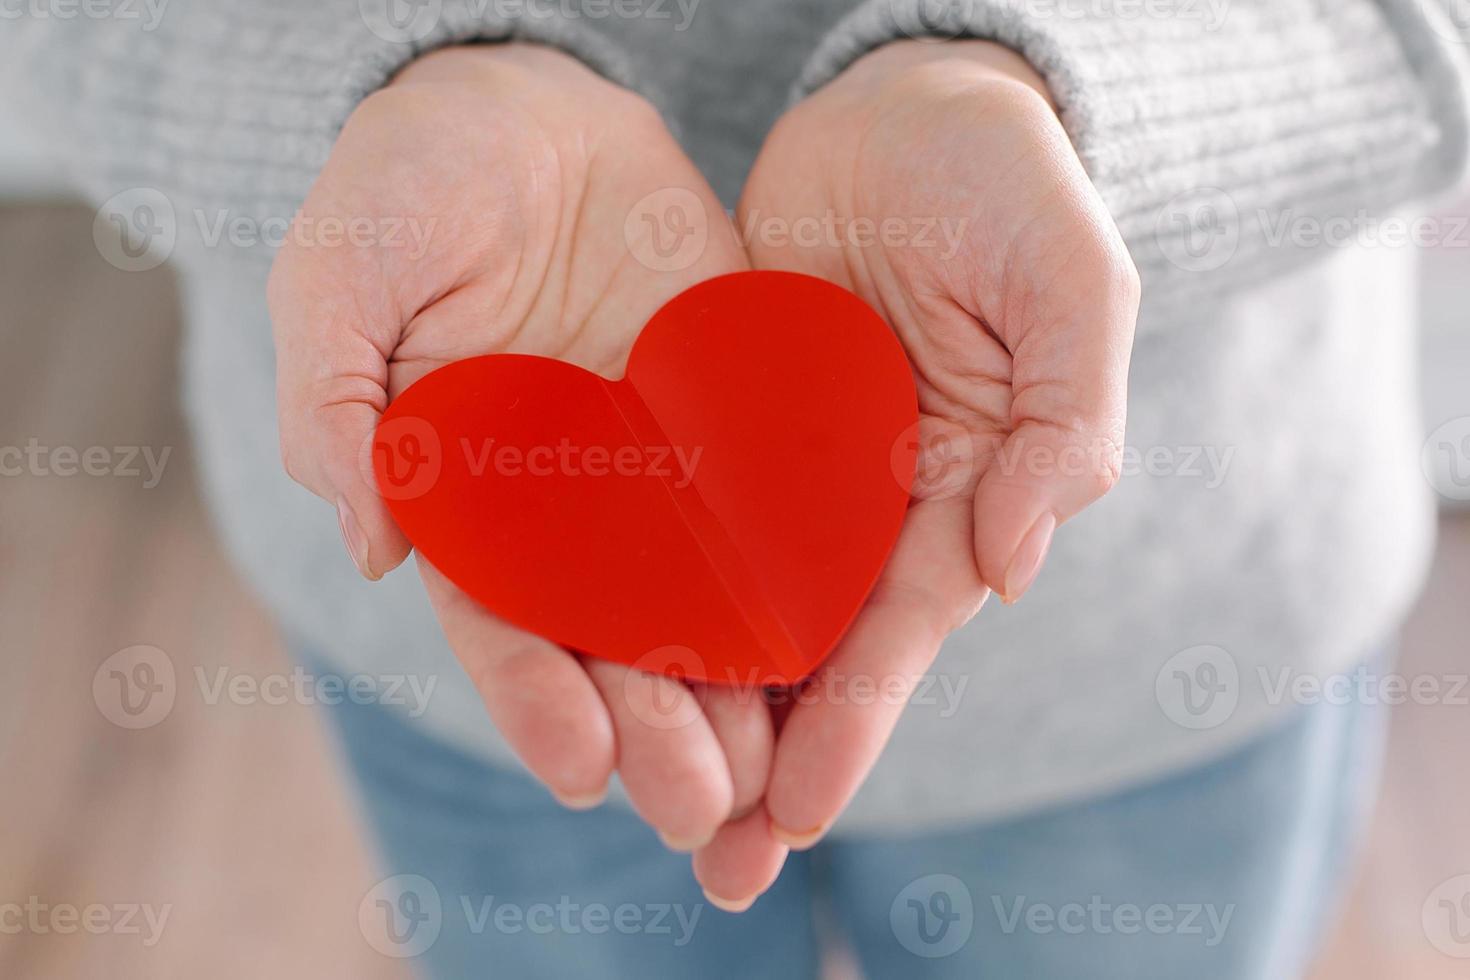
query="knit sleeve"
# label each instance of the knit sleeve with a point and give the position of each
(1217, 130)
(230, 107)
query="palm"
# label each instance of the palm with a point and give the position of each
(985, 252)
(528, 241)
(527, 196)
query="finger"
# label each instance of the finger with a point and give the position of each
(332, 350)
(1069, 329)
(668, 757)
(537, 694)
(741, 862)
(742, 722)
(829, 743)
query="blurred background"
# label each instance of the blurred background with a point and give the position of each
(224, 827)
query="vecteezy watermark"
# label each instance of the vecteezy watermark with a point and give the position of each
(403, 916)
(659, 705)
(653, 690)
(40, 918)
(933, 916)
(138, 229)
(138, 687)
(1207, 464)
(1363, 685)
(298, 686)
(410, 21)
(1446, 458)
(148, 13)
(931, 20)
(947, 463)
(667, 230)
(1446, 917)
(934, 459)
(1211, 13)
(404, 459)
(833, 230)
(1199, 687)
(1099, 916)
(938, 20)
(135, 687)
(939, 691)
(1199, 230)
(407, 232)
(1363, 229)
(675, 464)
(122, 462)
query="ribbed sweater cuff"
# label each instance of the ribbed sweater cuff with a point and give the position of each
(1183, 109)
(234, 106)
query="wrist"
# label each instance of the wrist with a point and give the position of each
(510, 61)
(903, 65)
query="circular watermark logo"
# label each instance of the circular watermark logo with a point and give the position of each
(135, 687)
(931, 20)
(1446, 917)
(401, 21)
(136, 230)
(933, 459)
(404, 458)
(401, 916)
(667, 231)
(1199, 688)
(1199, 230)
(654, 688)
(933, 916)
(1446, 458)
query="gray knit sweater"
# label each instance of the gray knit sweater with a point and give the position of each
(1271, 515)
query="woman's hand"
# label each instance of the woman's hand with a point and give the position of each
(936, 182)
(509, 179)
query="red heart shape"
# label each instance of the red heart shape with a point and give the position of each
(720, 513)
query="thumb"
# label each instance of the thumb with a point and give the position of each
(331, 390)
(1064, 449)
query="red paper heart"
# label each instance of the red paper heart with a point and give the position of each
(720, 513)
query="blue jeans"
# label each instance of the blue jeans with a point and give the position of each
(1227, 872)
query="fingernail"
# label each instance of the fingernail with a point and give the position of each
(1026, 564)
(683, 844)
(585, 801)
(797, 840)
(356, 540)
(728, 904)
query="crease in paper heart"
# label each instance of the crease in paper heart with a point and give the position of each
(720, 513)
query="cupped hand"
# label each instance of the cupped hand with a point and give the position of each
(506, 198)
(935, 181)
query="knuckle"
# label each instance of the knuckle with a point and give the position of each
(1107, 469)
(1132, 282)
(635, 120)
(966, 90)
(1108, 473)
(519, 667)
(1123, 276)
(392, 102)
(1104, 259)
(638, 110)
(937, 616)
